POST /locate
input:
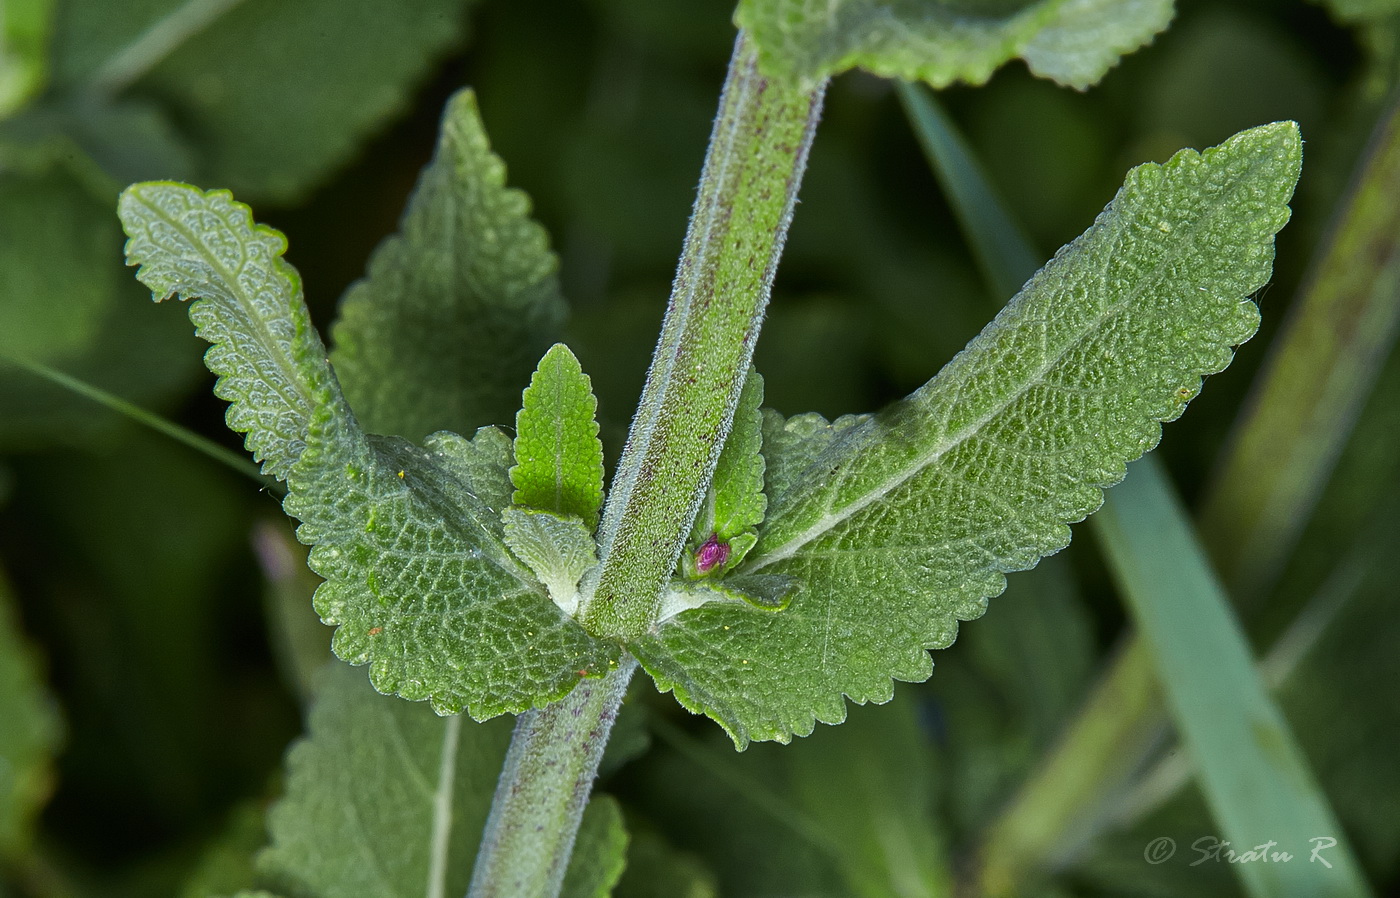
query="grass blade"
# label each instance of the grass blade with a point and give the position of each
(1254, 776)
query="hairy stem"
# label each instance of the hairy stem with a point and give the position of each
(544, 787)
(756, 158)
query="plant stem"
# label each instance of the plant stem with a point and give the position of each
(753, 168)
(544, 787)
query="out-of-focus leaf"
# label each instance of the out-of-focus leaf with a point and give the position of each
(868, 787)
(655, 868)
(401, 794)
(1041, 412)
(300, 644)
(1072, 42)
(1255, 777)
(276, 94)
(29, 737)
(24, 50)
(56, 245)
(24, 30)
(1357, 11)
(600, 851)
(227, 862)
(558, 458)
(455, 309)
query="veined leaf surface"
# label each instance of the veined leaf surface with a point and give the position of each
(1072, 42)
(900, 525)
(455, 308)
(409, 539)
(403, 795)
(558, 457)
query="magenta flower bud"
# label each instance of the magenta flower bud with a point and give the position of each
(711, 555)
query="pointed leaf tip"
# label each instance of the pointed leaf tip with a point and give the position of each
(558, 456)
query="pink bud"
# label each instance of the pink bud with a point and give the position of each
(711, 555)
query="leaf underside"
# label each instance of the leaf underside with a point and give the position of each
(408, 539)
(898, 526)
(1072, 42)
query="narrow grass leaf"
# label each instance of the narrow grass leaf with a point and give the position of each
(456, 307)
(1255, 778)
(907, 522)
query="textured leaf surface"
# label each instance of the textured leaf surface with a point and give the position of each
(1073, 42)
(600, 851)
(457, 306)
(419, 580)
(270, 360)
(558, 550)
(558, 457)
(400, 793)
(900, 525)
(408, 539)
(29, 738)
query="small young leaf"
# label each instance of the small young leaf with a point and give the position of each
(457, 306)
(418, 577)
(270, 361)
(738, 483)
(903, 524)
(1073, 42)
(401, 793)
(558, 457)
(558, 549)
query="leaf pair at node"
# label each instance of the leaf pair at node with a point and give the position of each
(452, 564)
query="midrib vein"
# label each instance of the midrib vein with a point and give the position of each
(938, 450)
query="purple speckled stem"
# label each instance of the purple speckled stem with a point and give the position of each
(544, 787)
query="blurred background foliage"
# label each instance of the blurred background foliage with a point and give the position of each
(151, 608)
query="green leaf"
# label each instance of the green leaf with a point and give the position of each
(557, 549)
(400, 793)
(600, 851)
(278, 93)
(270, 361)
(735, 503)
(457, 306)
(655, 868)
(24, 50)
(881, 814)
(54, 242)
(408, 539)
(558, 457)
(1072, 42)
(30, 737)
(418, 578)
(901, 525)
(1255, 778)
